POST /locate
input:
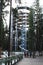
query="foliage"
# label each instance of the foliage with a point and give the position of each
(1, 24)
(38, 27)
(31, 31)
(2, 33)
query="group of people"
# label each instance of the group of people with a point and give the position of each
(29, 54)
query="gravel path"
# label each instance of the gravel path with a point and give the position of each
(31, 61)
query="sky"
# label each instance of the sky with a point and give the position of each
(28, 2)
(24, 2)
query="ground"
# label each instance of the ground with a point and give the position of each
(31, 61)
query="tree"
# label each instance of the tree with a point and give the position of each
(31, 31)
(15, 17)
(2, 6)
(37, 18)
(1, 23)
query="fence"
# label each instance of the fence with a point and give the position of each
(11, 60)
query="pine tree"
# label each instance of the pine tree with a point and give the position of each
(1, 23)
(37, 20)
(31, 31)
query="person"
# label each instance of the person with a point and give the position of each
(25, 54)
(30, 53)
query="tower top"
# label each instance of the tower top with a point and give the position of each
(18, 1)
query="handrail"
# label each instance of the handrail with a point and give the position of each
(10, 59)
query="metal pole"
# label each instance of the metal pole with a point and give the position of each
(9, 48)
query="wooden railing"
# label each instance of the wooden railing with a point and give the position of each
(11, 60)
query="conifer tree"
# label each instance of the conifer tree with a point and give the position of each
(37, 20)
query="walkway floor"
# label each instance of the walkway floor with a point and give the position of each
(31, 61)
